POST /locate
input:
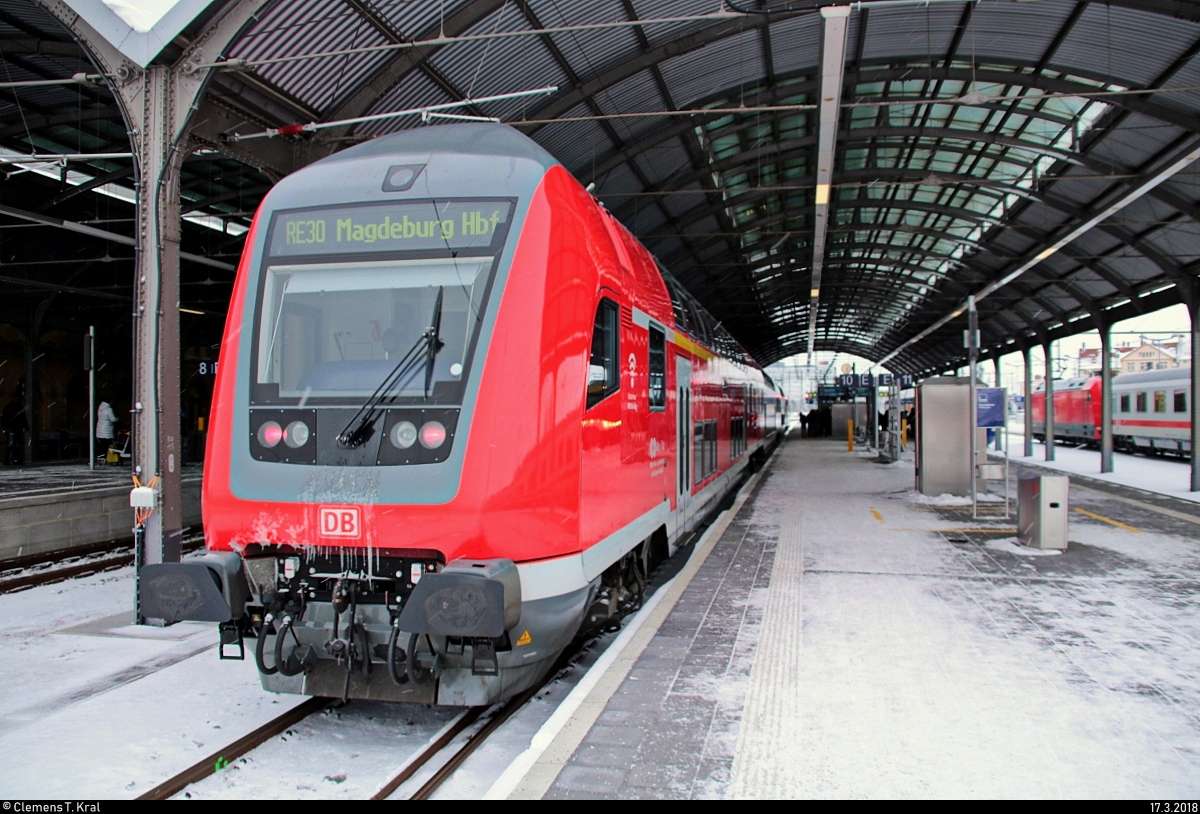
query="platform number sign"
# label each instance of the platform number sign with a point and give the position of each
(206, 369)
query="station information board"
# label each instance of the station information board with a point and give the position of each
(990, 407)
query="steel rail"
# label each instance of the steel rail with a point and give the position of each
(413, 765)
(223, 757)
(476, 740)
(120, 555)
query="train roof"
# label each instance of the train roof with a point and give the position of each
(1170, 374)
(1061, 385)
(466, 138)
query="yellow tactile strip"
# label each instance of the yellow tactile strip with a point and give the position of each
(760, 770)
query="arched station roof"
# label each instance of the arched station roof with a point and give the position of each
(970, 136)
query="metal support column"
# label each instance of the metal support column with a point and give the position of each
(973, 359)
(999, 383)
(159, 104)
(1026, 354)
(1106, 406)
(156, 449)
(1194, 407)
(1048, 350)
(31, 412)
(90, 364)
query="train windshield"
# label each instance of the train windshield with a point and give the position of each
(336, 330)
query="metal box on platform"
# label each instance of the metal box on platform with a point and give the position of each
(944, 436)
(843, 412)
(1042, 510)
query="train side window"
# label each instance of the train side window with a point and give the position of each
(604, 377)
(1160, 401)
(1141, 402)
(698, 452)
(658, 368)
(1181, 401)
(1124, 402)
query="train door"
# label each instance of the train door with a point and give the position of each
(683, 440)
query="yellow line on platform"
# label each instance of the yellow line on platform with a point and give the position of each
(875, 513)
(1104, 519)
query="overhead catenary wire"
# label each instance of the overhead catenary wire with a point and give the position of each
(426, 112)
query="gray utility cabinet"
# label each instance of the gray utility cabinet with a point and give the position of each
(1042, 510)
(843, 412)
(944, 436)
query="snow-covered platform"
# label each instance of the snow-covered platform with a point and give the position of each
(1170, 476)
(60, 507)
(843, 637)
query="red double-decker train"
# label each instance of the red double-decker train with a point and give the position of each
(460, 412)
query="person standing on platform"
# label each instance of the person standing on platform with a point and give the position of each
(106, 419)
(15, 423)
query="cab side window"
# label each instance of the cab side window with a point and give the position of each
(658, 368)
(603, 372)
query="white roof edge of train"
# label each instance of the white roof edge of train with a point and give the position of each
(1141, 377)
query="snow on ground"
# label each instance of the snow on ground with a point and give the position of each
(349, 752)
(99, 707)
(1164, 476)
(95, 707)
(1012, 545)
(946, 499)
(921, 668)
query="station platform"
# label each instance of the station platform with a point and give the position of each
(838, 635)
(51, 508)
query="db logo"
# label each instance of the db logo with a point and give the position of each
(340, 521)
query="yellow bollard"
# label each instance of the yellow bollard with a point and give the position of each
(903, 433)
(850, 435)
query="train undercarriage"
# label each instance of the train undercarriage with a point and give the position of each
(410, 627)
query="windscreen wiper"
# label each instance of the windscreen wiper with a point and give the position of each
(361, 427)
(435, 340)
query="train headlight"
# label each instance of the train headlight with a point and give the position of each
(270, 434)
(296, 435)
(403, 435)
(433, 435)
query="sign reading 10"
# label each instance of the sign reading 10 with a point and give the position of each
(207, 369)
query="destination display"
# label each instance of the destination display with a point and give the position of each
(400, 226)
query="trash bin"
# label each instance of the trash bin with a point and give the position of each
(1042, 510)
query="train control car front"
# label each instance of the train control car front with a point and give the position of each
(386, 469)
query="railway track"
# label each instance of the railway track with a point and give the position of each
(218, 760)
(443, 752)
(433, 753)
(463, 752)
(29, 572)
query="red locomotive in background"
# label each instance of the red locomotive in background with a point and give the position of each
(459, 414)
(1151, 411)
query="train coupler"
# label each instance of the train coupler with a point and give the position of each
(233, 633)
